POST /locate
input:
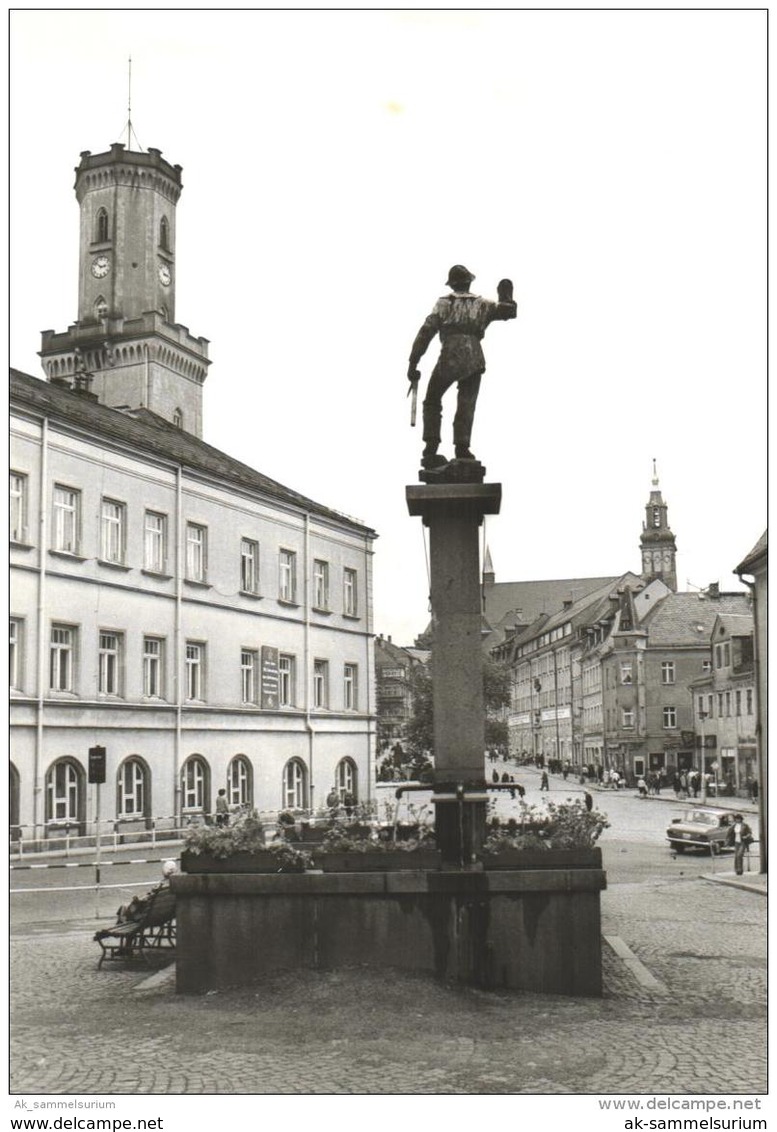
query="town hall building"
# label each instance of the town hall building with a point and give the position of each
(207, 626)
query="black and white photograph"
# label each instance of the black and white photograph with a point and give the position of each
(388, 566)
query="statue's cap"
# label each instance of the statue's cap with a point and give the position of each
(459, 274)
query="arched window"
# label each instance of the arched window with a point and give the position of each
(65, 795)
(101, 233)
(164, 234)
(239, 782)
(345, 778)
(178, 418)
(195, 786)
(132, 789)
(294, 785)
(13, 799)
(100, 307)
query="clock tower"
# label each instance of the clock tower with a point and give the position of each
(126, 347)
(657, 542)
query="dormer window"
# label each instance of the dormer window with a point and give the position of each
(102, 236)
(164, 234)
(178, 418)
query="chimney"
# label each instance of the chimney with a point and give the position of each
(713, 590)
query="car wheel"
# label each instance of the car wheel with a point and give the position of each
(678, 848)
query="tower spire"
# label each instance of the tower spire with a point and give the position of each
(130, 128)
(655, 473)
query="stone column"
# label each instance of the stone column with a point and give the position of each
(454, 512)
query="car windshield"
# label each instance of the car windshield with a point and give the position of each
(700, 817)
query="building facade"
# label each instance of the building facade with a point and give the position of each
(207, 626)
(605, 682)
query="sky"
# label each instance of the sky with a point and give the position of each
(337, 163)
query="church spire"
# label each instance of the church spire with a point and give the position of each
(657, 543)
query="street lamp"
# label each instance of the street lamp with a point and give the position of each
(702, 717)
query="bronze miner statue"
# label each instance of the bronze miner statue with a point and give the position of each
(461, 320)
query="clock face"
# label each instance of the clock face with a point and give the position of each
(165, 275)
(100, 266)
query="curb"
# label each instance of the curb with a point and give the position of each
(737, 882)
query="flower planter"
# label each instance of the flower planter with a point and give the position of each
(544, 859)
(389, 861)
(261, 862)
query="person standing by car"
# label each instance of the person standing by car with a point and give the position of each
(741, 837)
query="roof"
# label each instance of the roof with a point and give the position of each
(157, 437)
(687, 618)
(510, 603)
(736, 624)
(755, 557)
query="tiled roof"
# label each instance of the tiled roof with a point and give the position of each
(760, 550)
(687, 618)
(509, 603)
(155, 436)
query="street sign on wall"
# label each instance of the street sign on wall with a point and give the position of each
(270, 679)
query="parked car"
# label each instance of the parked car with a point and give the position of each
(700, 827)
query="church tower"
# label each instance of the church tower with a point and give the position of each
(657, 543)
(126, 348)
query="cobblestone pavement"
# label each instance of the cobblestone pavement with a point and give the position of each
(358, 1031)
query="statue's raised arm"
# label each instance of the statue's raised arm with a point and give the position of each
(460, 319)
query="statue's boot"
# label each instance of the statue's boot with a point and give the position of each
(431, 460)
(463, 453)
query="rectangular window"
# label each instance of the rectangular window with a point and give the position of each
(710, 706)
(350, 687)
(749, 699)
(15, 654)
(287, 581)
(738, 698)
(67, 519)
(112, 527)
(720, 705)
(628, 719)
(195, 671)
(196, 552)
(667, 672)
(728, 704)
(350, 605)
(249, 668)
(726, 654)
(153, 655)
(61, 658)
(132, 787)
(320, 584)
(155, 542)
(670, 717)
(17, 508)
(286, 680)
(700, 705)
(706, 666)
(626, 673)
(108, 667)
(320, 683)
(249, 566)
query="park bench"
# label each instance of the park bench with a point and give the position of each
(135, 939)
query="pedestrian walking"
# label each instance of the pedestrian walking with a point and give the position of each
(741, 838)
(589, 802)
(544, 784)
(642, 787)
